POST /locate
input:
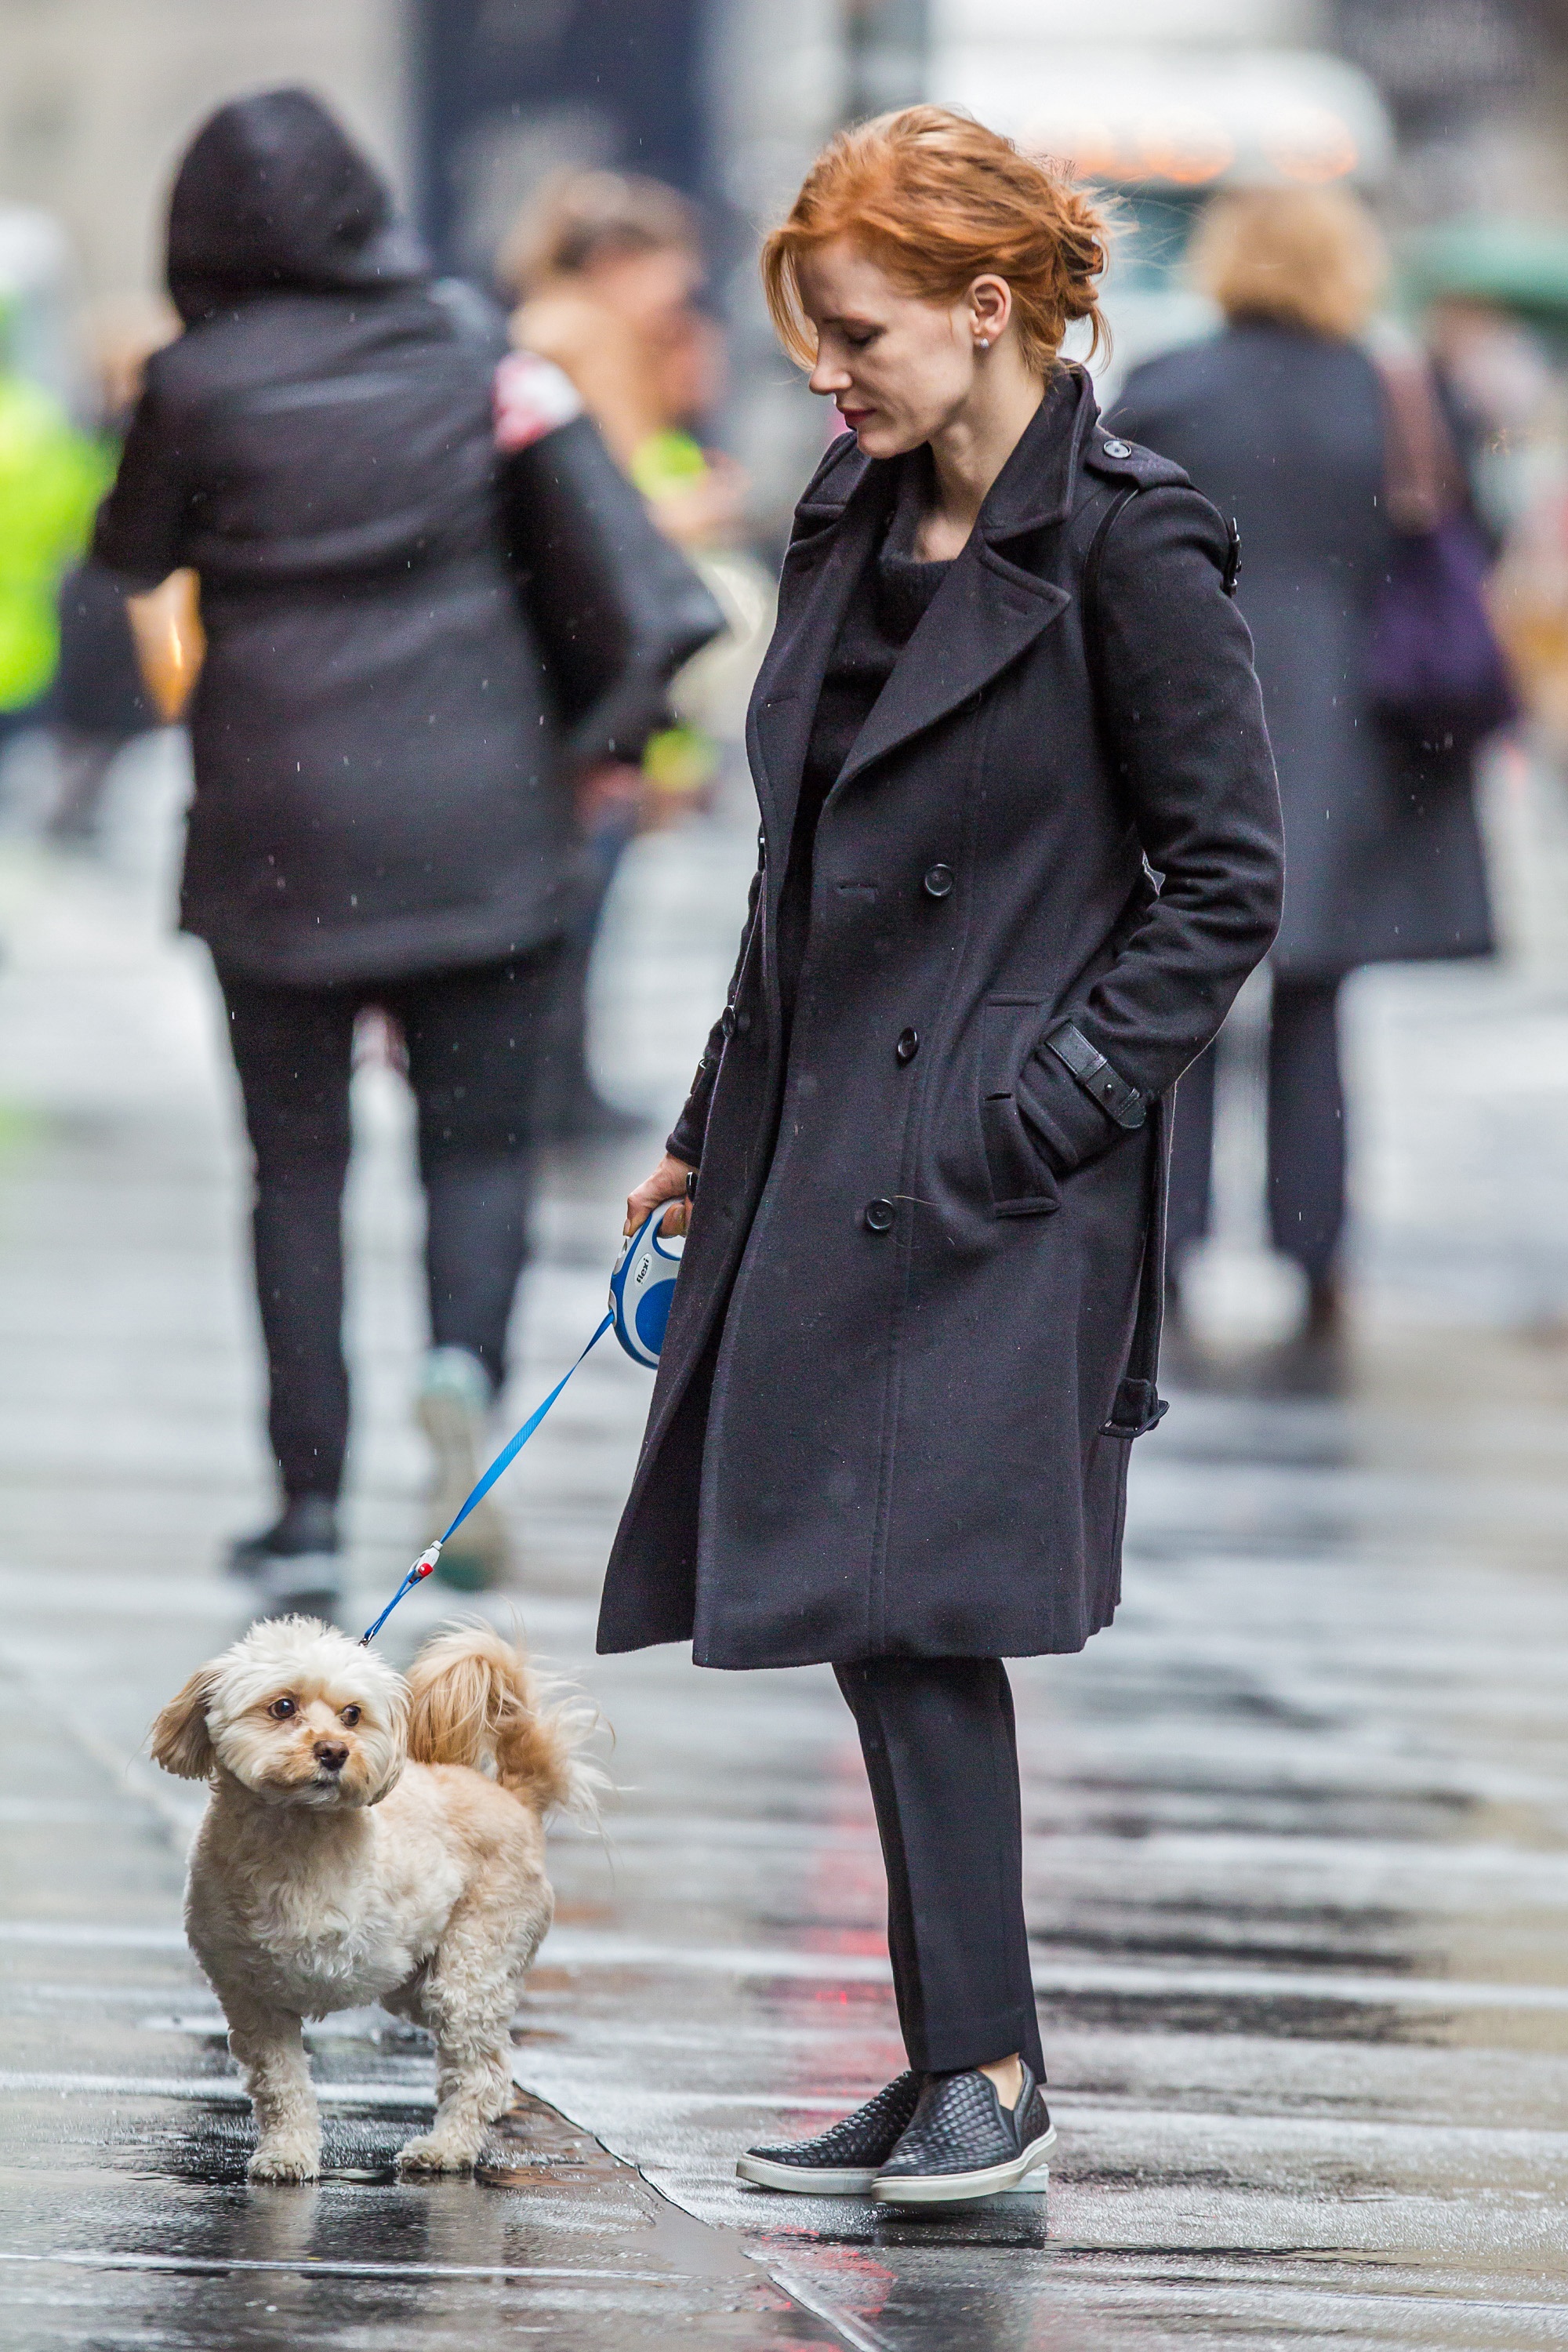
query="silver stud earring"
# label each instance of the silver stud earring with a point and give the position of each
(983, 343)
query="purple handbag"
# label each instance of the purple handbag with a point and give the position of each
(1437, 674)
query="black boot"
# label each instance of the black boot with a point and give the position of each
(294, 1564)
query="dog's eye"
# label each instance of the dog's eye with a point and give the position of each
(349, 1715)
(281, 1709)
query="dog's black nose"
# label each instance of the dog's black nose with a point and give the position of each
(332, 1757)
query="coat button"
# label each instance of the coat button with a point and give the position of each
(909, 1046)
(1117, 449)
(938, 881)
(879, 1216)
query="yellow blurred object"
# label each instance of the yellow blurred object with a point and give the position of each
(678, 765)
(167, 624)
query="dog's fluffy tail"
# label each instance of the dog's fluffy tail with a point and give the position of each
(475, 1700)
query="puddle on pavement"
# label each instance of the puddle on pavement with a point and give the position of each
(535, 2147)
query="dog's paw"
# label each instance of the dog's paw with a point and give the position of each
(433, 2154)
(285, 2160)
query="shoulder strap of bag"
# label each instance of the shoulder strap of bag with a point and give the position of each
(1138, 1406)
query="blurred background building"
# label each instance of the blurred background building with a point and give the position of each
(1453, 111)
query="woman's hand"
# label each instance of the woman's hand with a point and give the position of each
(668, 1182)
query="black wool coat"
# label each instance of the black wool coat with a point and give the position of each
(1284, 430)
(908, 1293)
(377, 791)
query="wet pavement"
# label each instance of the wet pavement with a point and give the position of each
(1297, 1826)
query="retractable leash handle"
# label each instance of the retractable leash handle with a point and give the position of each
(640, 1290)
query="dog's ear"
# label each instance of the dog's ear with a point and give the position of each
(180, 1740)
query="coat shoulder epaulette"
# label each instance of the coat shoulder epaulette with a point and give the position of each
(1126, 461)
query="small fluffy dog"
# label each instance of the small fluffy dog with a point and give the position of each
(369, 1838)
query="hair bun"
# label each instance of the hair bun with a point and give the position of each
(939, 200)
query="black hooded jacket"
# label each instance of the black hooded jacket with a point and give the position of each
(376, 791)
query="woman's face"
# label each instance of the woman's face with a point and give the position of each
(649, 288)
(898, 369)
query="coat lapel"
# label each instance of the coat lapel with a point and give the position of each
(820, 576)
(988, 611)
(985, 613)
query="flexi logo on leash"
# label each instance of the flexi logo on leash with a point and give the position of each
(641, 1288)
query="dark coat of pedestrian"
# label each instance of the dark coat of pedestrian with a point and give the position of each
(897, 1341)
(376, 786)
(1284, 429)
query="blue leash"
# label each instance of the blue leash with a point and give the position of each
(503, 1461)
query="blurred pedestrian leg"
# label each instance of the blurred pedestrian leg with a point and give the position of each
(473, 1041)
(1305, 1132)
(99, 703)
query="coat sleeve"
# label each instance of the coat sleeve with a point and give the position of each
(141, 531)
(1184, 716)
(686, 1137)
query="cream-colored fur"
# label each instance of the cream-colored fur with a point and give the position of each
(369, 1838)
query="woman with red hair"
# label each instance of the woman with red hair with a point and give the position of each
(917, 1320)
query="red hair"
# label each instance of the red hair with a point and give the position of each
(938, 201)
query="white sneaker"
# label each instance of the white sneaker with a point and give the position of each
(454, 1407)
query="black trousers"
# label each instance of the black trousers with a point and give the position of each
(472, 1039)
(1306, 1131)
(942, 1757)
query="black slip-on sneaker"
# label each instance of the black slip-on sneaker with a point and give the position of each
(963, 2142)
(842, 2161)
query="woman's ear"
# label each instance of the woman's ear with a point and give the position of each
(180, 1741)
(990, 308)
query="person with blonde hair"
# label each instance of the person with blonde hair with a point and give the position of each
(1283, 420)
(915, 1326)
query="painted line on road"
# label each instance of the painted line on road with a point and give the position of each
(598, 1948)
(225, 2088)
(312, 2266)
(83, 1935)
(589, 1947)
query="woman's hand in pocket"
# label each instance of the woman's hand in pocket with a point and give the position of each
(668, 1182)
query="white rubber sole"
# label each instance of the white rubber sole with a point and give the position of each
(795, 2181)
(1009, 2179)
(802, 2180)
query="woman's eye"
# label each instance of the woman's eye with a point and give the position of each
(281, 1709)
(349, 1715)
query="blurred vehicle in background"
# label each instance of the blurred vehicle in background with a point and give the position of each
(1158, 128)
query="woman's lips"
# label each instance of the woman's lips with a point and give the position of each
(854, 417)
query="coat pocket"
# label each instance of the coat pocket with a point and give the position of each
(1021, 1182)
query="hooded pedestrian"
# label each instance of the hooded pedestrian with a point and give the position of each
(380, 817)
(913, 1333)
